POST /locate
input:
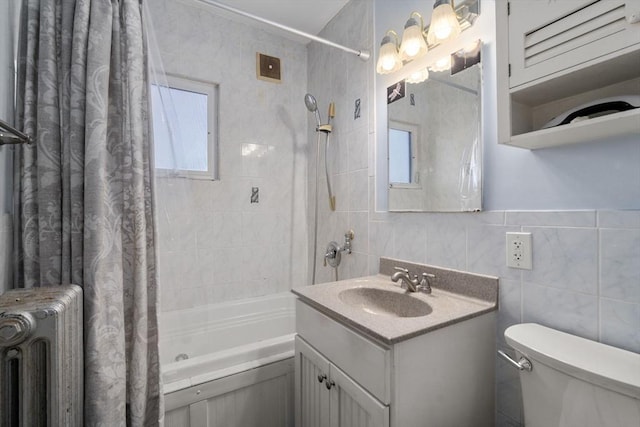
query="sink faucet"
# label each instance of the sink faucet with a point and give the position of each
(413, 284)
(403, 275)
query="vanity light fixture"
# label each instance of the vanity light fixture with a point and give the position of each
(447, 22)
(413, 43)
(418, 76)
(444, 23)
(389, 60)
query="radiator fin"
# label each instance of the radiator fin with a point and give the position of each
(41, 369)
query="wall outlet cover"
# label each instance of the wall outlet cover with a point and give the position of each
(519, 251)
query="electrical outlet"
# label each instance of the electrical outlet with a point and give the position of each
(519, 254)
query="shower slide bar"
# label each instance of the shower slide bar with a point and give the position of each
(362, 54)
(11, 135)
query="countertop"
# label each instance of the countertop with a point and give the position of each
(447, 307)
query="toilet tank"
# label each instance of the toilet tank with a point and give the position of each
(575, 381)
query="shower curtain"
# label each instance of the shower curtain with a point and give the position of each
(83, 199)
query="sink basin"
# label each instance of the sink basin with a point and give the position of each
(385, 303)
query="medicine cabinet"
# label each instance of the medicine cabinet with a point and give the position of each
(556, 57)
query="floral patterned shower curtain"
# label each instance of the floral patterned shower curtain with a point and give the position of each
(83, 198)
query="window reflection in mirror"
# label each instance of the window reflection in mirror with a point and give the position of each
(402, 154)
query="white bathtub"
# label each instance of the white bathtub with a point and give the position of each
(230, 346)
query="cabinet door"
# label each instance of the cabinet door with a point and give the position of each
(546, 37)
(311, 394)
(352, 406)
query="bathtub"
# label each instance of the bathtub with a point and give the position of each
(229, 351)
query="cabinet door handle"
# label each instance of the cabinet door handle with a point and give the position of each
(329, 384)
(322, 377)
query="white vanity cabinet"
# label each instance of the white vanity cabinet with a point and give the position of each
(329, 398)
(440, 378)
(554, 56)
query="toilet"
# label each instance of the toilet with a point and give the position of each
(568, 381)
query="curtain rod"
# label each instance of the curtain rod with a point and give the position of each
(14, 136)
(363, 54)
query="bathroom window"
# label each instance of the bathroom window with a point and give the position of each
(402, 154)
(185, 128)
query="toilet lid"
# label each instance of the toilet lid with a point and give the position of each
(601, 364)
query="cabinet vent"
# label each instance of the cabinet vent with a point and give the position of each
(593, 22)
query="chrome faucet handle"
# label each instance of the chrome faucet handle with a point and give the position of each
(424, 285)
(404, 270)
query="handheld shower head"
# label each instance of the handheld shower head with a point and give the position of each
(312, 106)
(310, 102)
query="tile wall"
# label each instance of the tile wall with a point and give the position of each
(586, 264)
(214, 244)
(585, 278)
(336, 76)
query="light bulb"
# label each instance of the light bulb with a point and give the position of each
(388, 63)
(388, 60)
(443, 31)
(444, 23)
(412, 48)
(413, 44)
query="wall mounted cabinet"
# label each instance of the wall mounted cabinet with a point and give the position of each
(558, 55)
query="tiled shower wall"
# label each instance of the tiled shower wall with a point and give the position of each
(214, 244)
(336, 76)
(586, 264)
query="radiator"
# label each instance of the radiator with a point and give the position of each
(41, 358)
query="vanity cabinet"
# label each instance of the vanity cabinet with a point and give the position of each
(329, 398)
(441, 378)
(559, 55)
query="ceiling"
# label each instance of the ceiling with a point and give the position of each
(309, 16)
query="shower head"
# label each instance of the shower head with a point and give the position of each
(312, 106)
(310, 102)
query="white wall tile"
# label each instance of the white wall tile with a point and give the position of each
(619, 219)
(568, 311)
(359, 223)
(410, 240)
(486, 249)
(564, 258)
(358, 150)
(620, 325)
(552, 218)
(358, 190)
(620, 264)
(510, 306)
(338, 151)
(446, 242)
(381, 238)
(358, 263)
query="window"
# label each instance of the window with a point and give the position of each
(185, 128)
(402, 154)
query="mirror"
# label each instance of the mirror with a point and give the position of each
(434, 143)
